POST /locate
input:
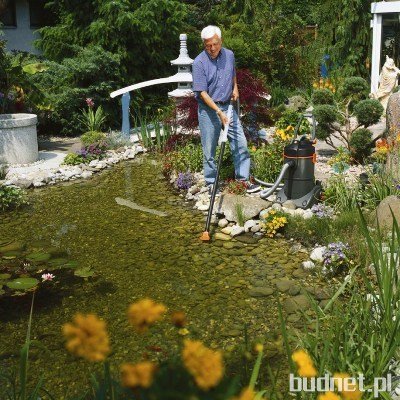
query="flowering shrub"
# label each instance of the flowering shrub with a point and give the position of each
(95, 151)
(273, 221)
(234, 186)
(285, 134)
(323, 211)
(382, 149)
(335, 259)
(90, 119)
(184, 181)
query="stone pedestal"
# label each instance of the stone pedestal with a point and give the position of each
(18, 139)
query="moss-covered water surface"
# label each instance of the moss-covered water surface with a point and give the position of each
(136, 253)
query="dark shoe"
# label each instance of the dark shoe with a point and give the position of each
(252, 188)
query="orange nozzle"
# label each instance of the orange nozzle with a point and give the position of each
(205, 237)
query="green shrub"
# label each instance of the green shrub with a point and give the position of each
(368, 112)
(267, 160)
(288, 117)
(73, 159)
(360, 144)
(11, 197)
(297, 103)
(354, 88)
(322, 96)
(91, 137)
(90, 73)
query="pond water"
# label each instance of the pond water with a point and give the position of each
(137, 254)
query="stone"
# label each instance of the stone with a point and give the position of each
(222, 223)
(222, 236)
(296, 303)
(316, 254)
(392, 123)
(383, 214)
(227, 205)
(261, 291)
(237, 230)
(283, 285)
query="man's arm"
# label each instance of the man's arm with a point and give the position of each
(210, 103)
(235, 91)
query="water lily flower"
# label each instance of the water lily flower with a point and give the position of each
(47, 277)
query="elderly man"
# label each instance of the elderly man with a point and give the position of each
(214, 84)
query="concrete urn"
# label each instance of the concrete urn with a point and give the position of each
(18, 139)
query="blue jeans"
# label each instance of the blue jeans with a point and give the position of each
(210, 129)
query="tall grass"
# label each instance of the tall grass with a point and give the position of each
(357, 331)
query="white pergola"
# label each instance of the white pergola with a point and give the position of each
(377, 10)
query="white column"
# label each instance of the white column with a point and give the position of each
(376, 51)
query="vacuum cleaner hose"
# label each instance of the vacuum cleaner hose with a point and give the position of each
(267, 192)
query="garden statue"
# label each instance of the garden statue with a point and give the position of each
(387, 81)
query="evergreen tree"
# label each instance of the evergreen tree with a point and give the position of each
(344, 35)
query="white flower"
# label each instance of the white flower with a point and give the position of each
(48, 277)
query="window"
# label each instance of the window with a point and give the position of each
(38, 14)
(7, 13)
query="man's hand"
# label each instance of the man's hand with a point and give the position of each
(235, 93)
(223, 117)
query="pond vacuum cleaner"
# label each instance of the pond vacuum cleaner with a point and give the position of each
(297, 173)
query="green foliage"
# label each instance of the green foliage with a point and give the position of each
(91, 73)
(297, 103)
(326, 114)
(288, 117)
(322, 96)
(336, 121)
(368, 112)
(11, 197)
(348, 40)
(360, 144)
(121, 27)
(73, 159)
(369, 306)
(267, 160)
(91, 137)
(116, 139)
(240, 214)
(354, 88)
(92, 120)
(16, 82)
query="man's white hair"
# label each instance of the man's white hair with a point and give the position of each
(209, 31)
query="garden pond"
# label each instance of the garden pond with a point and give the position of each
(105, 256)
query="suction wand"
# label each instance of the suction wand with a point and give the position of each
(205, 237)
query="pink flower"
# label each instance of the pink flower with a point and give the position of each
(48, 277)
(89, 102)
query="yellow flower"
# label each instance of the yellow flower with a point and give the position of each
(352, 392)
(245, 394)
(87, 337)
(259, 347)
(183, 331)
(137, 375)
(304, 363)
(204, 364)
(144, 314)
(328, 396)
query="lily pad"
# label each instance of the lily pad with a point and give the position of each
(57, 262)
(22, 283)
(84, 272)
(38, 257)
(13, 246)
(72, 264)
(5, 276)
(9, 255)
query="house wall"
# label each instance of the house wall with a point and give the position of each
(22, 37)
